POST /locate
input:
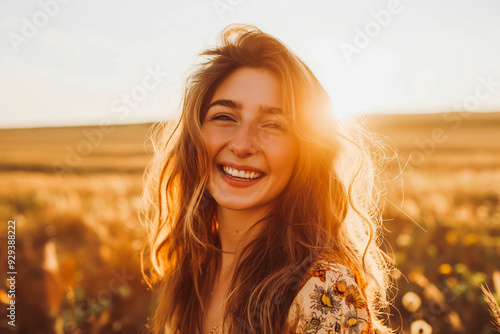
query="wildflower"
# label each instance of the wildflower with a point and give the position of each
(445, 269)
(470, 239)
(451, 237)
(411, 301)
(420, 327)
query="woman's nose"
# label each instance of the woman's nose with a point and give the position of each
(244, 141)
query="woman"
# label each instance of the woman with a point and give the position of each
(262, 218)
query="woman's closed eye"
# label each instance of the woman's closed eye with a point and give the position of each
(228, 118)
(222, 117)
(277, 126)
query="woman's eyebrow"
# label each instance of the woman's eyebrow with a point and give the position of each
(226, 103)
(237, 105)
(270, 110)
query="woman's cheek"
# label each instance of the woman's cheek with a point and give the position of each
(213, 137)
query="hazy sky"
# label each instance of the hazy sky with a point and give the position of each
(70, 62)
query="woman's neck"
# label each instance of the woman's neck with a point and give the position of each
(233, 228)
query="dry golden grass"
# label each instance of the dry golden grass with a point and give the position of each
(89, 149)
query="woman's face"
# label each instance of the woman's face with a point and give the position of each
(251, 153)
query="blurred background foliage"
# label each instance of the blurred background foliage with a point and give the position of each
(78, 238)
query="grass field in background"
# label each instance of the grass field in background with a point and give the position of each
(78, 236)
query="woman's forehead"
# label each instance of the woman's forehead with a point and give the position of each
(250, 87)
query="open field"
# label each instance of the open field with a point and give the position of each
(74, 191)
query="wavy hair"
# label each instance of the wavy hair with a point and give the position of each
(330, 207)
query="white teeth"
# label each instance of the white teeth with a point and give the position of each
(240, 173)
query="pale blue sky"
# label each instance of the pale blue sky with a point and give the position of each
(81, 59)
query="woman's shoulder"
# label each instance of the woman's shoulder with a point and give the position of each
(330, 298)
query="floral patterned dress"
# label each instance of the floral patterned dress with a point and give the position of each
(329, 301)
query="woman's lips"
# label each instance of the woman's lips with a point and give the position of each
(240, 167)
(238, 182)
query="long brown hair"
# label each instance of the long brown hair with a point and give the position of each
(330, 206)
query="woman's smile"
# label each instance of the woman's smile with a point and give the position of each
(239, 177)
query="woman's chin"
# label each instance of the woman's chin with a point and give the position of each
(236, 206)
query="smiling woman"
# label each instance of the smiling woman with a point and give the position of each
(261, 207)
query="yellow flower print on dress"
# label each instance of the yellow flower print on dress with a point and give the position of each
(354, 298)
(352, 322)
(325, 301)
(341, 289)
(330, 301)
